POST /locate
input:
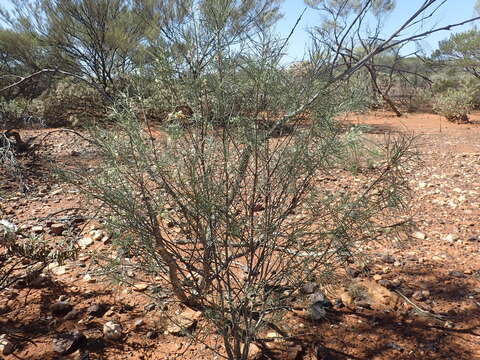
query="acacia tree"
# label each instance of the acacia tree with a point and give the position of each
(461, 51)
(95, 40)
(351, 29)
(231, 220)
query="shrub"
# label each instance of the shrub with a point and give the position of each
(225, 212)
(454, 104)
(70, 103)
(230, 220)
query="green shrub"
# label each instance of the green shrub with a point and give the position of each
(70, 103)
(454, 104)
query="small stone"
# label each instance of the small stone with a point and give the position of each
(397, 264)
(59, 270)
(68, 343)
(96, 310)
(89, 279)
(151, 335)
(97, 235)
(9, 226)
(448, 324)
(60, 308)
(37, 229)
(451, 238)
(309, 288)
(112, 330)
(468, 272)
(385, 283)
(57, 229)
(388, 259)
(6, 346)
(352, 272)
(418, 295)
(318, 311)
(138, 323)
(456, 273)
(473, 238)
(437, 258)
(140, 287)
(85, 242)
(184, 321)
(419, 235)
(377, 277)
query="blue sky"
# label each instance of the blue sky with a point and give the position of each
(452, 11)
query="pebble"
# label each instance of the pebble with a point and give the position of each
(61, 308)
(456, 273)
(89, 279)
(85, 242)
(451, 238)
(309, 288)
(57, 228)
(377, 277)
(139, 323)
(6, 346)
(112, 330)
(96, 235)
(151, 335)
(96, 310)
(388, 259)
(419, 235)
(68, 343)
(37, 229)
(140, 287)
(59, 270)
(150, 307)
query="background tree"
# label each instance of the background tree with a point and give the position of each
(461, 51)
(94, 40)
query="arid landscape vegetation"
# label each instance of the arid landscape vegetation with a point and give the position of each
(172, 188)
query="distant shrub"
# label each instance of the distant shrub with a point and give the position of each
(454, 104)
(70, 103)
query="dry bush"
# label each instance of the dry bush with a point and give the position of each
(454, 105)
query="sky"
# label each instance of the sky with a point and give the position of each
(452, 11)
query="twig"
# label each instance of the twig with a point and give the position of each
(419, 310)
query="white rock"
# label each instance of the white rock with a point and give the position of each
(85, 242)
(8, 225)
(419, 235)
(59, 270)
(97, 235)
(451, 238)
(112, 330)
(37, 229)
(6, 346)
(89, 279)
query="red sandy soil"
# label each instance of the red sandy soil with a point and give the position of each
(444, 265)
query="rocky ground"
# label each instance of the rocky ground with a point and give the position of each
(418, 299)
